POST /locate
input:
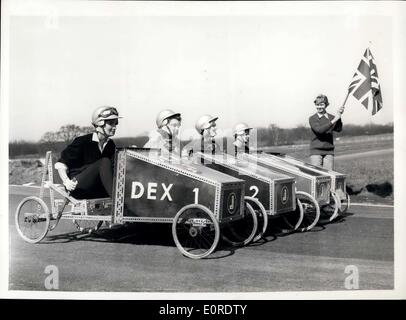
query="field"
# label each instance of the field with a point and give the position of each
(344, 146)
(367, 161)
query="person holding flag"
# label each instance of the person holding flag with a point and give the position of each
(323, 125)
(364, 87)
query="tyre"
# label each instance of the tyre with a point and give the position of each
(196, 231)
(32, 219)
(311, 211)
(242, 231)
(330, 211)
(262, 217)
(294, 219)
(345, 204)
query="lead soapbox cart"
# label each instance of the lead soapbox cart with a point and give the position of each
(202, 204)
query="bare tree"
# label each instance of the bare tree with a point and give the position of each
(65, 134)
(48, 136)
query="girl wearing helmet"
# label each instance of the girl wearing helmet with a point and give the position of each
(166, 137)
(241, 138)
(86, 165)
(206, 127)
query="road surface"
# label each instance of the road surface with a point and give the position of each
(144, 258)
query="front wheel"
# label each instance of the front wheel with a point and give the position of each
(294, 219)
(311, 211)
(345, 204)
(330, 211)
(242, 231)
(32, 219)
(196, 231)
(262, 217)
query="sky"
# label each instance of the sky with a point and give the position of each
(260, 68)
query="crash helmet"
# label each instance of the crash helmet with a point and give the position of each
(165, 115)
(104, 113)
(204, 122)
(241, 127)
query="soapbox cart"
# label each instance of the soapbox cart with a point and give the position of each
(202, 204)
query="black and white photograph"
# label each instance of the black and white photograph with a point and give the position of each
(190, 149)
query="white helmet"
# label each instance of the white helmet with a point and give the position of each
(164, 115)
(204, 122)
(104, 113)
(241, 127)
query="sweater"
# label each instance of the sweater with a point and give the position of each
(82, 152)
(322, 138)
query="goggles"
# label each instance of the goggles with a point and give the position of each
(108, 112)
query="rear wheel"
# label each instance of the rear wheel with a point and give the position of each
(32, 219)
(345, 204)
(311, 211)
(330, 211)
(242, 231)
(196, 231)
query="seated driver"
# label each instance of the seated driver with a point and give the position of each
(207, 129)
(166, 137)
(86, 165)
(241, 139)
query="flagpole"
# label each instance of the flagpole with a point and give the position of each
(346, 97)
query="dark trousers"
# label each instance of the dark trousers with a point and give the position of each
(96, 181)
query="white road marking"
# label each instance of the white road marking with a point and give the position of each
(378, 205)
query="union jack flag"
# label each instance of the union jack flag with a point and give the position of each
(365, 85)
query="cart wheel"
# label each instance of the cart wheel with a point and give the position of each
(262, 217)
(345, 204)
(294, 219)
(330, 211)
(196, 231)
(87, 226)
(32, 219)
(242, 231)
(311, 211)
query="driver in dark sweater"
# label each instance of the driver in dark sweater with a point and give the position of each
(86, 165)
